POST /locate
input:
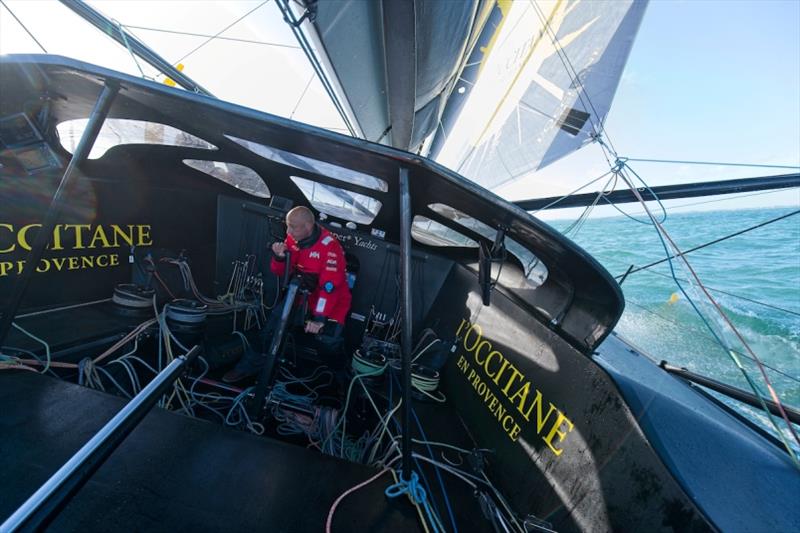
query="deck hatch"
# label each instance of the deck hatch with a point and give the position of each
(117, 131)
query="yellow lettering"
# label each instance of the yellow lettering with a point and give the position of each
(113, 260)
(466, 336)
(555, 431)
(144, 235)
(522, 393)
(59, 262)
(20, 266)
(489, 358)
(102, 261)
(494, 403)
(507, 419)
(87, 262)
(22, 236)
(73, 263)
(127, 237)
(99, 235)
(475, 378)
(5, 266)
(461, 326)
(44, 266)
(478, 350)
(10, 249)
(514, 434)
(500, 372)
(537, 402)
(515, 375)
(57, 238)
(78, 235)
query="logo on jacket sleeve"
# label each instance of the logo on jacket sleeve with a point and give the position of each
(314, 255)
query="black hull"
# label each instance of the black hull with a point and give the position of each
(585, 433)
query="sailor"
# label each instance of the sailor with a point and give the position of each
(318, 259)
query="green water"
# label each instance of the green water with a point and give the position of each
(762, 265)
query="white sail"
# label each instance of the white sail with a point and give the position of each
(545, 87)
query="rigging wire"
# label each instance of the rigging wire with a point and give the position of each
(290, 19)
(701, 333)
(124, 35)
(715, 241)
(726, 199)
(712, 163)
(217, 37)
(715, 289)
(302, 95)
(24, 27)
(663, 234)
(745, 298)
(551, 204)
(223, 30)
(575, 80)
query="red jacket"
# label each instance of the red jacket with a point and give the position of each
(324, 257)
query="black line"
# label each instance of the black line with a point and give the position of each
(24, 27)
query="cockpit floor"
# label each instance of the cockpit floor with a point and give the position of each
(178, 473)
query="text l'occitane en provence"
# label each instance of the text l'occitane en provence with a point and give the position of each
(78, 237)
(497, 382)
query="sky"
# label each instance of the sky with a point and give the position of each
(714, 81)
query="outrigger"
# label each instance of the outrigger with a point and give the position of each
(485, 373)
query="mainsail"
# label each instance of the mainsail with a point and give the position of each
(544, 88)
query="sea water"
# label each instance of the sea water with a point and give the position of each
(754, 277)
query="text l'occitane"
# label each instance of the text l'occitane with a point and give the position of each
(81, 237)
(488, 367)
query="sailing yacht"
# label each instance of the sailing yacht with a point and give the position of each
(484, 388)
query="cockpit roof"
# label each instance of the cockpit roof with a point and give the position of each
(579, 298)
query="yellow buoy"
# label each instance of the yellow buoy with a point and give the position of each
(673, 298)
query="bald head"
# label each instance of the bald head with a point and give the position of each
(300, 223)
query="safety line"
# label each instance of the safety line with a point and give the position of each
(712, 163)
(710, 243)
(217, 37)
(700, 332)
(662, 232)
(730, 198)
(223, 30)
(24, 27)
(745, 298)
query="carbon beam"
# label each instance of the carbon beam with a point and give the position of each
(667, 192)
